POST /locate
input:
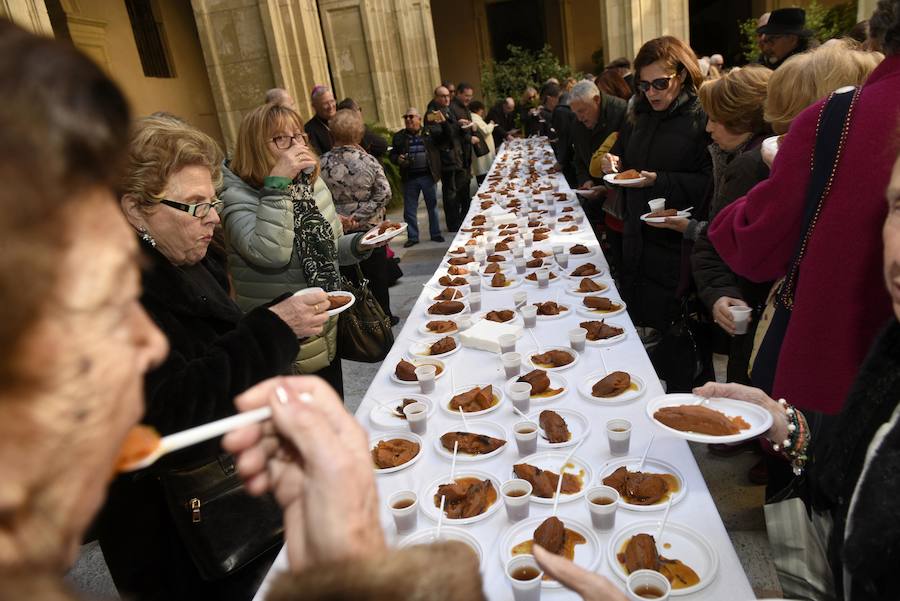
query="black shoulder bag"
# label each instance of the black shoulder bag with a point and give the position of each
(364, 330)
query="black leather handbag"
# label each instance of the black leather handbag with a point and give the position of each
(481, 148)
(364, 330)
(222, 526)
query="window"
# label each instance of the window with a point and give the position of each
(150, 39)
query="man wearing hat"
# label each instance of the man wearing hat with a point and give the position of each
(783, 36)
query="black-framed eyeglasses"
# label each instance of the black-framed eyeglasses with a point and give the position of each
(409, 116)
(285, 142)
(199, 210)
(661, 83)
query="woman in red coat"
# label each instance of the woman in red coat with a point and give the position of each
(840, 302)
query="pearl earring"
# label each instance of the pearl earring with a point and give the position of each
(146, 237)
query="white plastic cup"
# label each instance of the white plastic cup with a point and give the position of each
(507, 343)
(520, 395)
(512, 364)
(463, 323)
(489, 237)
(516, 495)
(524, 590)
(657, 204)
(518, 250)
(529, 315)
(543, 277)
(474, 283)
(480, 241)
(577, 338)
(641, 584)
(579, 218)
(563, 259)
(520, 265)
(417, 414)
(741, 316)
(618, 434)
(526, 434)
(480, 256)
(470, 250)
(404, 506)
(602, 502)
(426, 374)
(558, 248)
(528, 239)
(475, 301)
(519, 299)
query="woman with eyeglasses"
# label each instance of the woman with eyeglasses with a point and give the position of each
(282, 230)
(216, 352)
(664, 138)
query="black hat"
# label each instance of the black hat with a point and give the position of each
(791, 21)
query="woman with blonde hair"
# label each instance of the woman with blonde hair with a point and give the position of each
(282, 231)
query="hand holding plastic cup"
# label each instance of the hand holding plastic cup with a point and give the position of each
(741, 316)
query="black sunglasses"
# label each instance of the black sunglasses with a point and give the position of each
(660, 84)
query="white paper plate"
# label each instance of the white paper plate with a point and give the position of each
(572, 288)
(592, 253)
(447, 264)
(653, 466)
(432, 292)
(549, 370)
(560, 229)
(759, 419)
(417, 362)
(589, 191)
(556, 381)
(432, 316)
(517, 319)
(497, 391)
(579, 427)
(597, 314)
(426, 498)
(424, 330)
(567, 273)
(513, 281)
(552, 281)
(420, 349)
(429, 535)
(685, 544)
(584, 387)
(552, 460)
(402, 435)
(476, 427)
(437, 286)
(373, 237)
(645, 217)
(560, 315)
(381, 418)
(345, 307)
(610, 178)
(587, 555)
(608, 341)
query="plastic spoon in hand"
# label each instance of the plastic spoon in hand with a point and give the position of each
(192, 436)
(646, 452)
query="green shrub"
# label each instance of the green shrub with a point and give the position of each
(523, 68)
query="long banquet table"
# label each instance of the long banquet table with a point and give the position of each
(470, 367)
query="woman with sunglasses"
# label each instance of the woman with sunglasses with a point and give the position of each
(216, 352)
(665, 140)
(282, 230)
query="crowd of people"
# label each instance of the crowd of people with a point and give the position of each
(147, 277)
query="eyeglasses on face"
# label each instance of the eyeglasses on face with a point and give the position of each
(199, 210)
(409, 116)
(660, 84)
(285, 142)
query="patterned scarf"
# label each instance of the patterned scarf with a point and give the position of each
(313, 238)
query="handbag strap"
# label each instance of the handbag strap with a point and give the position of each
(832, 127)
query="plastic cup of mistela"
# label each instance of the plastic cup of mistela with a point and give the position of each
(512, 363)
(474, 282)
(543, 277)
(741, 316)
(529, 315)
(404, 506)
(507, 343)
(641, 584)
(426, 374)
(657, 204)
(526, 434)
(577, 338)
(475, 301)
(516, 495)
(602, 503)
(417, 414)
(563, 259)
(618, 434)
(524, 590)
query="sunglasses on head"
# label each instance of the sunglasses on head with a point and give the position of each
(660, 84)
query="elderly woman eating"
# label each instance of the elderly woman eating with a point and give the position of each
(217, 352)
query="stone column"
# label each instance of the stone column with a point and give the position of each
(864, 9)
(250, 46)
(382, 54)
(627, 24)
(28, 14)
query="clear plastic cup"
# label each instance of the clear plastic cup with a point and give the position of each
(520, 265)
(404, 506)
(525, 577)
(558, 248)
(507, 343)
(741, 316)
(463, 323)
(417, 415)
(528, 239)
(520, 395)
(563, 259)
(426, 374)
(512, 364)
(577, 338)
(474, 282)
(516, 495)
(475, 301)
(519, 299)
(543, 277)
(657, 204)
(480, 256)
(602, 502)
(618, 434)
(529, 315)
(647, 584)
(579, 218)
(526, 434)
(470, 250)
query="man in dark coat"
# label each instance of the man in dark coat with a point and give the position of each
(503, 114)
(540, 120)
(443, 129)
(563, 120)
(420, 169)
(597, 116)
(317, 128)
(783, 36)
(459, 108)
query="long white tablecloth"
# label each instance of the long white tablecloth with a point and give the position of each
(697, 511)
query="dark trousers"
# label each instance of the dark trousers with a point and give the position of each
(334, 374)
(411, 189)
(455, 191)
(376, 269)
